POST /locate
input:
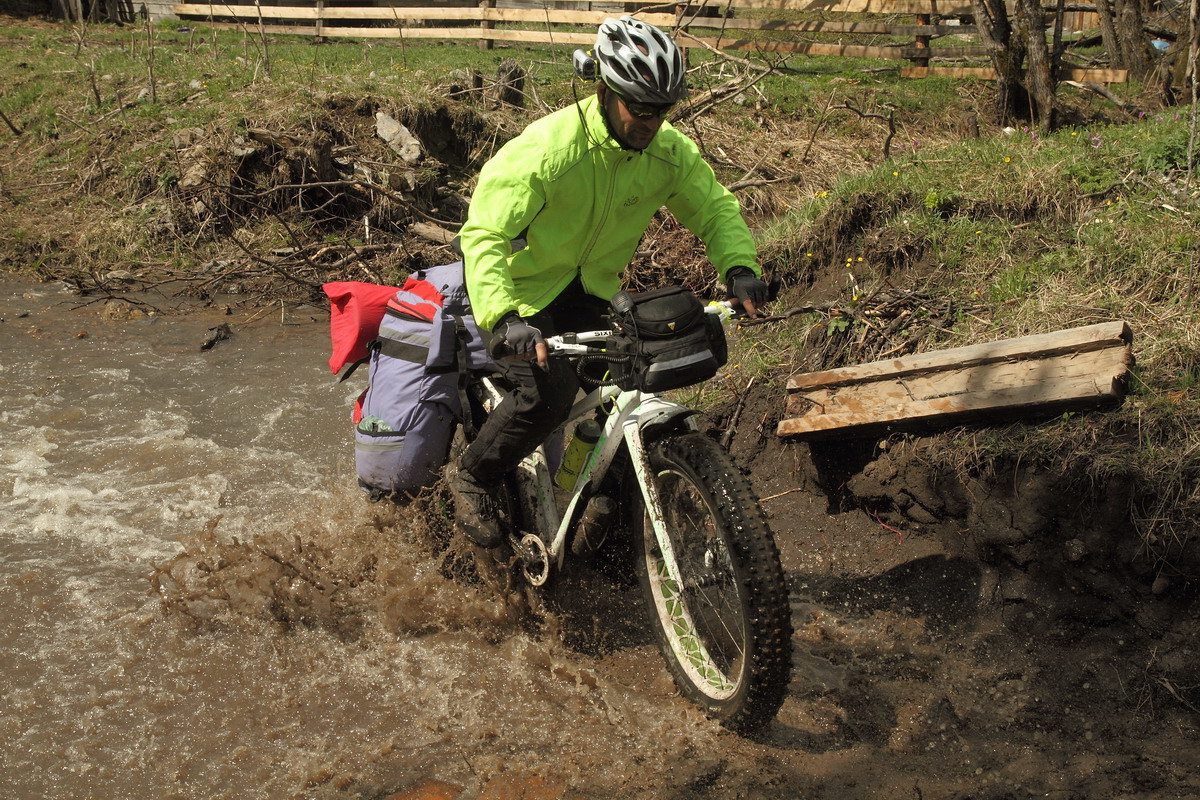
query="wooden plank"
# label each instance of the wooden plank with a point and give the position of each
(486, 42)
(541, 18)
(389, 14)
(987, 73)
(1033, 375)
(289, 30)
(544, 37)
(1040, 345)
(570, 17)
(252, 12)
(829, 26)
(885, 7)
(1046, 387)
(848, 50)
(805, 48)
(950, 8)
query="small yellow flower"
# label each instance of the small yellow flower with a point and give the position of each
(978, 232)
(860, 258)
(1007, 160)
(809, 255)
(1074, 133)
(897, 174)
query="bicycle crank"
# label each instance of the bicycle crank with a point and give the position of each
(535, 559)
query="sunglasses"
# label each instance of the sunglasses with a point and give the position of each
(646, 110)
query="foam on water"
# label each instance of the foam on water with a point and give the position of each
(301, 643)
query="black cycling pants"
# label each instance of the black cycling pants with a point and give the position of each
(541, 398)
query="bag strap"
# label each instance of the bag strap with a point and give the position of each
(462, 361)
(356, 364)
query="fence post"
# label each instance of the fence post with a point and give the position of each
(320, 20)
(922, 42)
(486, 24)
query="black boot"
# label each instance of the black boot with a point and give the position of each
(475, 508)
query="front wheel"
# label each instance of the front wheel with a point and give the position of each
(722, 622)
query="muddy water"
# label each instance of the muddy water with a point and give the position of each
(125, 445)
(196, 602)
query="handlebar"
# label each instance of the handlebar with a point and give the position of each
(583, 343)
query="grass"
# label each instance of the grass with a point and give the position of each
(1039, 233)
(990, 238)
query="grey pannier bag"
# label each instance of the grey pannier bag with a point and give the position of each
(405, 420)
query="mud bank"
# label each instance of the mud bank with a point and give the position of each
(1015, 614)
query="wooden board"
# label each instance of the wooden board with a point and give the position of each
(393, 32)
(424, 13)
(1074, 369)
(848, 50)
(987, 73)
(949, 8)
(831, 26)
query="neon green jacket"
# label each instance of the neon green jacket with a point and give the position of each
(582, 204)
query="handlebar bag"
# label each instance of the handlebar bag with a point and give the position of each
(666, 340)
(404, 421)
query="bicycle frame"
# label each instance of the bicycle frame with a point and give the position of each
(631, 414)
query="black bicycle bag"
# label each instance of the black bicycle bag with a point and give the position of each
(664, 340)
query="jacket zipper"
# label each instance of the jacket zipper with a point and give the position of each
(612, 186)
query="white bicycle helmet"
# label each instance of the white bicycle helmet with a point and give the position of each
(640, 62)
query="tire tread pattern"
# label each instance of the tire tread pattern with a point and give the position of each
(764, 586)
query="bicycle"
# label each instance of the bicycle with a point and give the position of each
(706, 560)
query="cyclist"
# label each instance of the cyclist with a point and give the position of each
(580, 186)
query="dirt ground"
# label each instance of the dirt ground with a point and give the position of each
(967, 666)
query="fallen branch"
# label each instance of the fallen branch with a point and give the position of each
(433, 233)
(733, 187)
(781, 494)
(17, 131)
(890, 119)
(1101, 90)
(714, 97)
(79, 125)
(727, 437)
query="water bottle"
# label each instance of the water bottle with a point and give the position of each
(587, 433)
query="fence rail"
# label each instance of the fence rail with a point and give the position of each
(921, 21)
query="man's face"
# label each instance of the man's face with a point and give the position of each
(635, 124)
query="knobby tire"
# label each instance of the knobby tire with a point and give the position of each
(726, 634)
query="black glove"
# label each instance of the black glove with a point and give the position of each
(745, 285)
(514, 336)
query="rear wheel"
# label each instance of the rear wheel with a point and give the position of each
(722, 621)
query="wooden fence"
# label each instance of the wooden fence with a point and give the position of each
(786, 27)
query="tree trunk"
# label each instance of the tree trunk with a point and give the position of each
(1007, 53)
(1108, 35)
(1040, 78)
(1134, 44)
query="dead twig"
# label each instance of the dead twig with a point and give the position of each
(16, 131)
(727, 437)
(1101, 90)
(745, 62)
(890, 119)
